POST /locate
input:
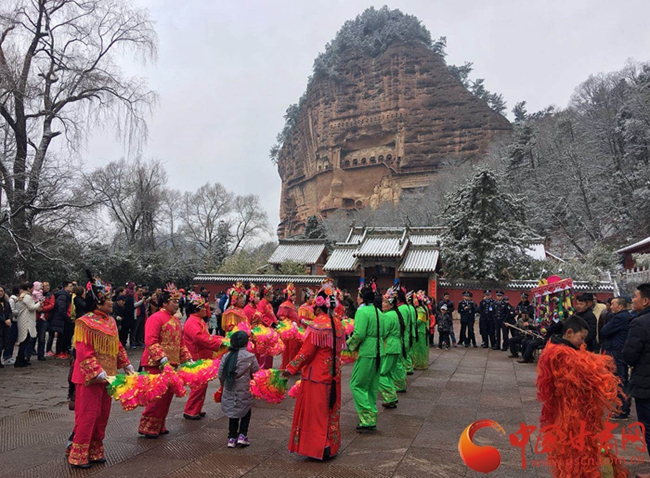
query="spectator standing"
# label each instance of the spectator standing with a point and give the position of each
(467, 310)
(8, 352)
(584, 308)
(614, 336)
(636, 353)
(450, 310)
(6, 317)
(25, 309)
(61, 322)
(43, 323)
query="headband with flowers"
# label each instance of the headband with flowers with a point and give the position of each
(252, 291)
(290, 290)
(236, 291)
(197, 300)
(173, 292)
(268, 288)
(391, 295)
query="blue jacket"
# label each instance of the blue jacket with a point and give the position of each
(614, 332)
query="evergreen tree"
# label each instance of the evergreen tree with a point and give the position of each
(314, 229)
(486, 233)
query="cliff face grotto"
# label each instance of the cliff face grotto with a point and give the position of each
(383, 126)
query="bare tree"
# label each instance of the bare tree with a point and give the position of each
(59, 77)
(249, 220)
(133, 192)
(203, 210)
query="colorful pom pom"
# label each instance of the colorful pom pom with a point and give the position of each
(174, 382)
(269, 385)
(293, 391)
(137, 390)
(267, 341)
(197, 374)
(348, 325)
(348, 356)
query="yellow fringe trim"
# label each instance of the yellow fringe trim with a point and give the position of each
(99, 341)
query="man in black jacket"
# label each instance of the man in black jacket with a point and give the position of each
(467, 311)
(554, 328)
(450, 309)
(500, 313)
(636, 353)
(584, 308)
(486, 319)
(613, 336)
(61, 322)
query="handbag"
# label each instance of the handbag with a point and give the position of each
(218, 394)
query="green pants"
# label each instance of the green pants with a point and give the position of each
(400, 374)
(408, 361)
(364, 384)
(389, 377)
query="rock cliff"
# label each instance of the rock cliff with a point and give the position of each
(381, 126)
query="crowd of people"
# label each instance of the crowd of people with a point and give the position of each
(391, 337)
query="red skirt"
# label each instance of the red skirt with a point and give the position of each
(315, 426)
(291, 349)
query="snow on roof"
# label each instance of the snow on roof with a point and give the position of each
(258, 278)
(631, 248)
(302, 253)
(420, 260)
(342, 260)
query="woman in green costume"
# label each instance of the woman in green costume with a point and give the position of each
(392, 377)
(420, 349)
(368, 338)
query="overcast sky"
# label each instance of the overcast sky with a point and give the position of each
(227, 70)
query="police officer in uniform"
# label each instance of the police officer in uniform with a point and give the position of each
(467, 310)
(525, 307)
(500, 313)
(486, 319)
(510, 318)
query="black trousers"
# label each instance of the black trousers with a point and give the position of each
(643, 413)
(518, 343)
(467, 332)
(622, 374)
(22, 349)
(531, 346)
(239, 426)
(443, 337)
(487, 331)
(506, 331)
(496, 333)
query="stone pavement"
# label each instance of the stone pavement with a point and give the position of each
(418, 439)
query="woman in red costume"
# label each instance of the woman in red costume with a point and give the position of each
(99, 355)
(250, 309)
(234, 314)
(162, 344)
(315, 431)
(288, 311)
(306, 310)
(256, 318)
(201, 345)
(265, 308)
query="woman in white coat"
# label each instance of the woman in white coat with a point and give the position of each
(25, 310)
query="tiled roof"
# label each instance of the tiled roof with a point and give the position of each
(420, 260)
(302, 253)
(342, 260)
(632, 247)
(258, 279)
(581, 286)
(382, 247)
(424, 239)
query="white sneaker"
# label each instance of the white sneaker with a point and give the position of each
(9, 361)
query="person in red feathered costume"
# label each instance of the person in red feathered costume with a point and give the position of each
(578, 390)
